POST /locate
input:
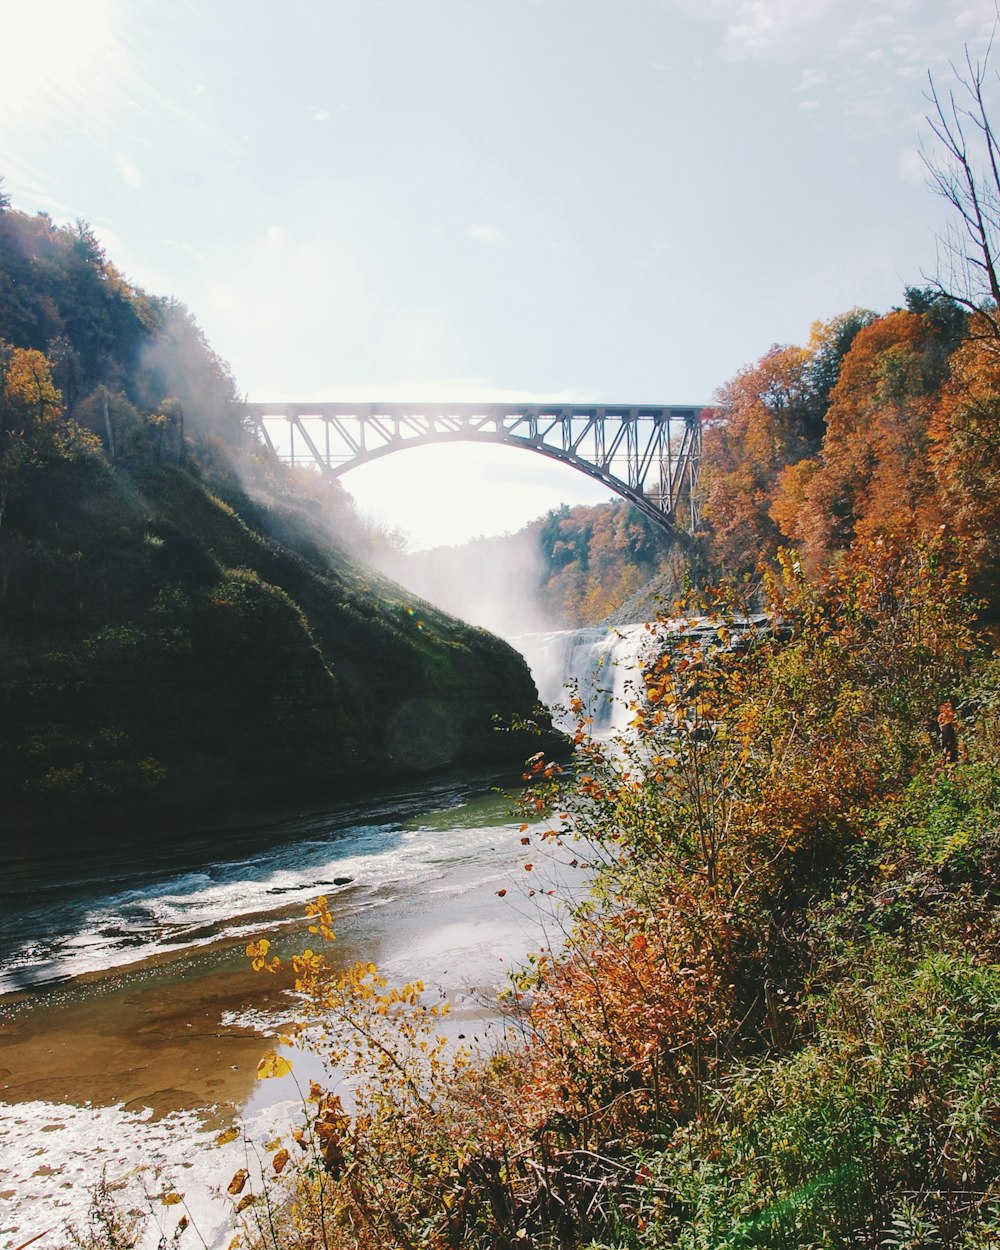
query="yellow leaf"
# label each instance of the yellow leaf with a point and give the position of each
(230, 1134)
(246, 1201)
(172, 1199)
(279, 1161)
(273, 1064)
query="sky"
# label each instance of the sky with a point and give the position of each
(587, 200)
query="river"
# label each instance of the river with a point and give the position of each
(131, 1024)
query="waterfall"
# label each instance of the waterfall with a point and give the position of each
(600, 665)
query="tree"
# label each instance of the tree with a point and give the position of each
(872, 474)
(966, 174)
(965, 455)
(761, 423)
(33, 426)
(829, 343)
(29, 402)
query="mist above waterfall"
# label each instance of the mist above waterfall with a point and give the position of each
(574, 567)
(491, 582)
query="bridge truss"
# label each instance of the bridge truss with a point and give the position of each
(649, 455)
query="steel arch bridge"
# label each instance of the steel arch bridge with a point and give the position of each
(650, 454)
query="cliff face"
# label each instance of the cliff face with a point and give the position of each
(168, 640)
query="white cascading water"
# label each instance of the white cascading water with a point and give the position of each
(599, 665)
(602, 664)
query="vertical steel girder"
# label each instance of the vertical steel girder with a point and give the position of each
(649, 454)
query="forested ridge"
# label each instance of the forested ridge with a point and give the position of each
(183, 620)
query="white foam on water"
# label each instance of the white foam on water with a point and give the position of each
(52, 1157)
(230, 902)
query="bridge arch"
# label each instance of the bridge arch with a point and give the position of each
(649, 455)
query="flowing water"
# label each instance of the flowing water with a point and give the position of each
(60, 921)
(125, 986)
(224, 885)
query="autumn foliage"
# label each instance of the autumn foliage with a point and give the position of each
(766, 773)
(771, 1016)
(895, 443)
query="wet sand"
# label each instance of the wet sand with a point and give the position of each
(150, 1038)
(174, 1033)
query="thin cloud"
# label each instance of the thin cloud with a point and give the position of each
(484, 234)
(319, 114)
(128, 170)
(911, 167)
(811, 78)
(788, 30)
(188, 249)
(860, 56)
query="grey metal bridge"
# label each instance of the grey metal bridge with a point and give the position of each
(648, 454)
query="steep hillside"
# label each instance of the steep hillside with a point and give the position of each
(179, 618)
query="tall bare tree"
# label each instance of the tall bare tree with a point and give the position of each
(965, 171)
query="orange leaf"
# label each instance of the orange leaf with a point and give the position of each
(239, 1180)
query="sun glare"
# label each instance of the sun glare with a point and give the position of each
(54, 52)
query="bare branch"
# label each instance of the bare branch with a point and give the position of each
(966, 175)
